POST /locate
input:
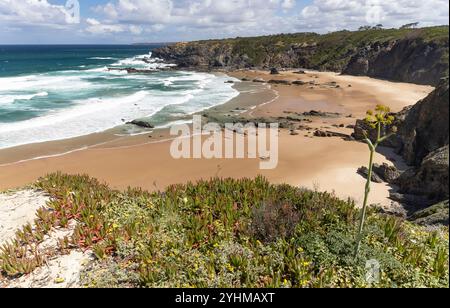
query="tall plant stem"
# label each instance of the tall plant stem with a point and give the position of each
(364, 209)
(372, 148)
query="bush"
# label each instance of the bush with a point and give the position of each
(273, 221)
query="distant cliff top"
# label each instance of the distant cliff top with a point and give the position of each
(409, 55)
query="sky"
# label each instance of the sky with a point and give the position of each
(134, 21)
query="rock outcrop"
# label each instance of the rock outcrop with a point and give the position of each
(381, 173)
(437, 214)
(426, 126)
(414, 55)
(388, 174)
(430, 179)
(364, 172)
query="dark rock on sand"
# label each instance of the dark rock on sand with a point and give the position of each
(363, 171)
(363, 129)
(315, 113)
(299, 82)
(387, 173)
(319, 133)
(281, 82)
(141, 123)
(274, 71)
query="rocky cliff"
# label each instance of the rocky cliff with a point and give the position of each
(423, 140)
(425, 127)
(409, 55)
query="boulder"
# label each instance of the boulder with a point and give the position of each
(281, 82)
(299, 82)
(315, 113)
(411, 202)
(274, 71)
(434, 215)
(362, 128)
(387, 173)
(259, 80)
(363, 171)
(319, 133)
(141, 123)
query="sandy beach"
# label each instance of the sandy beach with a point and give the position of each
(145, 161)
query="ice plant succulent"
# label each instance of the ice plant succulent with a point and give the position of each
(378, 119)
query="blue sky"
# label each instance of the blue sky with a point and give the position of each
(131, 21)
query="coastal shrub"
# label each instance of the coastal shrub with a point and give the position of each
(203, 235)
(273, 221)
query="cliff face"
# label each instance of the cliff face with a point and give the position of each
(418, 56)
(423, 138)
(406, 60)
(425, 127)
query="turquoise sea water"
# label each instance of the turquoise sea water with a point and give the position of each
(58, 92)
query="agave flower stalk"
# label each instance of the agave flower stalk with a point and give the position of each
(377, 120)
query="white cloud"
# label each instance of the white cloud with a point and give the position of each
(34, 12)
(330, 15)
(138, 11)
(288, 4)
(228, 15)
(251, 17)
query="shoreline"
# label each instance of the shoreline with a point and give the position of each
(304, 160)
(54, 148)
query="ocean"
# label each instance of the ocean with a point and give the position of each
(59, 92)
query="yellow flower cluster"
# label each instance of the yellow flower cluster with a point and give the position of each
(381, 115)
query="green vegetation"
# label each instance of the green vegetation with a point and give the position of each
(226, 233)
(377, 120)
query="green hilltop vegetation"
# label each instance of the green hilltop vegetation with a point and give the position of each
(336, 46)
(227, 233)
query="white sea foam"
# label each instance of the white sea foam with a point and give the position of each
(143, 62)
(108, 110)
(102, 58)
(9, 99)
(41, 83)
